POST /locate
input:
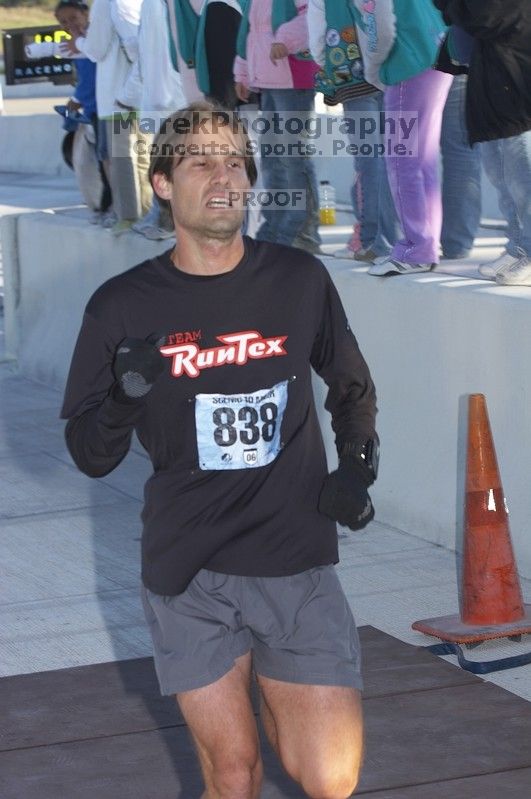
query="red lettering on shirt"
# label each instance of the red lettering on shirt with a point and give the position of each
(189, 359)
(187, 337)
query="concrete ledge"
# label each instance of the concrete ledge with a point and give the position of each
(32, 144)
(53, 262)
(11, 269)
(29, 91)
(429, 340)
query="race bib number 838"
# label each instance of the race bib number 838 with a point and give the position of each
(240, 431)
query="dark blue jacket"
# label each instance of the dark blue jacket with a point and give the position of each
(498, 103)
(85, 92)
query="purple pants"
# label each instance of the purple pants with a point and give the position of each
(414, 180)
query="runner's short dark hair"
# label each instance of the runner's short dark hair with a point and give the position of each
(79, 4)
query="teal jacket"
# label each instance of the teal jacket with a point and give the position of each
(398, 38)
(341, 75)
(191, 39)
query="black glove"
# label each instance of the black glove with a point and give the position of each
(137, 364)
(344, 497)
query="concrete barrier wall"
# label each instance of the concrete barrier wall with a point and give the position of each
(430, 340)
(52, 264)
(32, 144)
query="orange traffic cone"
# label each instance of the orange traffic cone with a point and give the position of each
(491, 605)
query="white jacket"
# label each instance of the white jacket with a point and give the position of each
(162, 89)
(377, 41)
(125, 15)
(316, 18)
(104, 45)
(191, 90)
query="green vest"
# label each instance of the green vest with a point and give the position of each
(191, 40)
(343, 67)
(187, 23)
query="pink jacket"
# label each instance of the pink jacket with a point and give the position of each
(258, 71)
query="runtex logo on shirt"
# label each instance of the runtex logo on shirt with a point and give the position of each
(237, 348)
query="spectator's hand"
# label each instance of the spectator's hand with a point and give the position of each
(278, 52)
(242, 92)
(137, 365)
(68, 47)
(344, 497)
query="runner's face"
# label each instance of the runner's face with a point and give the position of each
(208, 184)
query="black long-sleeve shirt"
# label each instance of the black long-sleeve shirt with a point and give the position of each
(230, 426)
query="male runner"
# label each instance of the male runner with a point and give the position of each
(207, 352)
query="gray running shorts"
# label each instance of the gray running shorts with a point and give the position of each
(299, 629)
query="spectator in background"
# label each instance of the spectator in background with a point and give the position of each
(183, 16)
(203, 47)
(334, 46)
(273, 58)
(215, 54)
(79, 146)
(168, 29)
(399, 40)
(498, 113)
(461, 179)
(73, 15)
(110, 41)
(161, 93)
(198, 61)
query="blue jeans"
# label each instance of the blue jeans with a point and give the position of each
(292, 225)
(371, 197)
(507, 163)
(461, 185)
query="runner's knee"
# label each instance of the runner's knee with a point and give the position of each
(237, 779)
(330, 785)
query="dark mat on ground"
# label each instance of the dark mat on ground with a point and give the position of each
(503, 785)
(103, 731)
(114, 698)
(444, 734)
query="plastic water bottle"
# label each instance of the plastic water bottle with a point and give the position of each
(327, 203)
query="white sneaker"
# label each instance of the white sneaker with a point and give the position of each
(516, 274)
(390, 266)
(491, 268)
